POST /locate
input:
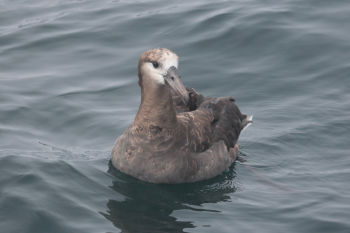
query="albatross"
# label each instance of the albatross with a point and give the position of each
(178, 135)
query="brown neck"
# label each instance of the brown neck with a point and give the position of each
(156, 106)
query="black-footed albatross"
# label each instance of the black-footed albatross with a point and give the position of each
(178, 135)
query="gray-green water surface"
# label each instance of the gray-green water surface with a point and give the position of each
(68, 89)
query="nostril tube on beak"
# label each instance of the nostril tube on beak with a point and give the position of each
(175, 83)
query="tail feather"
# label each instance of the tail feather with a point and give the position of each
(247, 121)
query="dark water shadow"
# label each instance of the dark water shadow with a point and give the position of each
(149, 207)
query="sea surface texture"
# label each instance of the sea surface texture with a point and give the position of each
(68, 89)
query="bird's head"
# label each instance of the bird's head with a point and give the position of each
(158, 67)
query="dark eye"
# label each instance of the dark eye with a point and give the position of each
(155, 64)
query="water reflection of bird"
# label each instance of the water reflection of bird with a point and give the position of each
(150, 208)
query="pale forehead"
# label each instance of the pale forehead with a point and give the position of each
(159, 54)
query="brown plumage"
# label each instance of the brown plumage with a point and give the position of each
(177, 135)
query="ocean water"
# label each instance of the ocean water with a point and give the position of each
(68, 89)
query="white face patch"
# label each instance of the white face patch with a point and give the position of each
(169, 61)
(157, 74)
(153, 73)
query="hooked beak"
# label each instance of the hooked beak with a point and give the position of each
(175, 83)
